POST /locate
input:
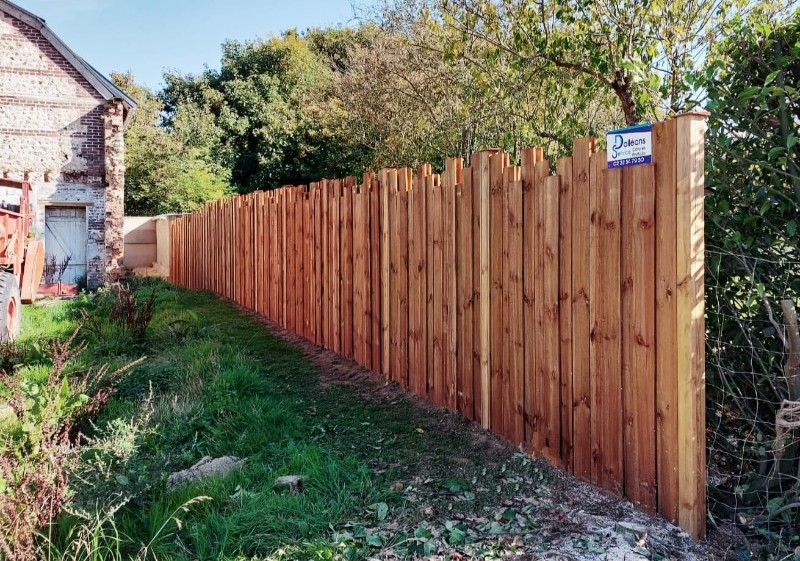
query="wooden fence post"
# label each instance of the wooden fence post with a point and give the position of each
(690, 328)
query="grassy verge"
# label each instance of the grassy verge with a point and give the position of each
(382, 474)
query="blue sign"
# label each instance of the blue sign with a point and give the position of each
(631, 146)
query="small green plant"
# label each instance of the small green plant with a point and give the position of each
(115, 319)
(35, 453)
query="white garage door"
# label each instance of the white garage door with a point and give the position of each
(65, 238)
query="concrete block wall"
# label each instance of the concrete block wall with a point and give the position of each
(55, 131)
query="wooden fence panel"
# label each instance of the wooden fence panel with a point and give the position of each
(564, 311)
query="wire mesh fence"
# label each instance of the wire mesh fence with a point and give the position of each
(753, 395)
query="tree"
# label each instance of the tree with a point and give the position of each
(163, 175)
(641, 52)
(266, 112)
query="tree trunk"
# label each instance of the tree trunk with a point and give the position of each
(623, 87)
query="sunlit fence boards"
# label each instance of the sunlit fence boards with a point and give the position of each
(559, 306)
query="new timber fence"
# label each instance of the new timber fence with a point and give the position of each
(562, 309)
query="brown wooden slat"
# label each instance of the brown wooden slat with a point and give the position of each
(385, 264)
(581, 320)
(336, 267)
(452, 177)
(418, 286)
(664, 152)
(436, 320)
(605, 186)
(430, 287)
(347, 267)
(319, 280)
(465, 401)
(375, 275)
(360, 273)
(514, 421)
(638, 335)
(546, 191)
(564, 172)
(497, 163)
(401, 295)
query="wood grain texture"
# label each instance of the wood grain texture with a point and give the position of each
(606, 348)
(581, 321)
(529, 157)
(418, 286)
(690, 328)
(638, 335)
(497, 163)
(565, 227)
(465, 401)
(514, 412)
(385, 191)
(374, 286)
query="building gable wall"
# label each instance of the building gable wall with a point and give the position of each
(53, 132)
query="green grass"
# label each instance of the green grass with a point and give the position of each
(216, 382)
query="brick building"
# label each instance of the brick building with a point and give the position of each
(61, 129)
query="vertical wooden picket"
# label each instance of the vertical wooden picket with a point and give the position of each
(464, 295)
(565, 227)
(418, 285)
(497, 163)
(347, 267)
(515, 365)
(638, 335)
(605, 187)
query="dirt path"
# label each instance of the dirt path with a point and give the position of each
(552, 516)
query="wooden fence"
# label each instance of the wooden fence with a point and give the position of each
(563, 311)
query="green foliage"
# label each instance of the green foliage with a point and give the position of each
(641, 53)
(266, 112)
(164, 174)
(35, 417)
(752, 212)
(217, 383)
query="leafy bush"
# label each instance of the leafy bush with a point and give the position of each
(753, 260)
(35, 453)
(38, 444)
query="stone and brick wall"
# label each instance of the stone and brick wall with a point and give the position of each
(61, 135)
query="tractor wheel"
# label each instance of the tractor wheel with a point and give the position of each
(10, 307)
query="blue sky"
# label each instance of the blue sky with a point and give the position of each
(146, 36)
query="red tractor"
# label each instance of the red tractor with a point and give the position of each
(21, 259)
